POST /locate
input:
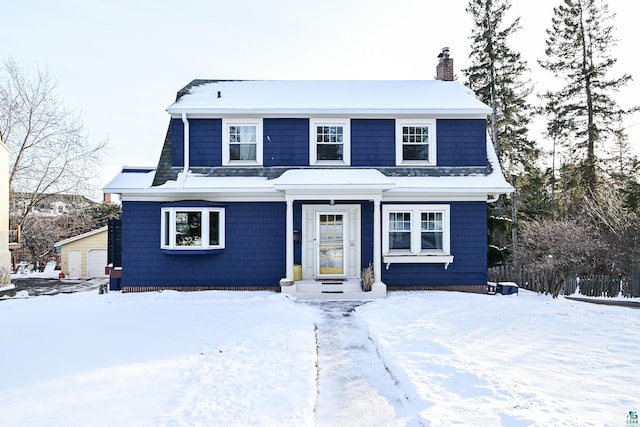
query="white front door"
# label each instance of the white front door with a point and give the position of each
(331, 241)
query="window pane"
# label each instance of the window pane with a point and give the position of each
(167, 228)
(431, 226)
(234, 152)
(244, 133)
(214, 228)
(419, 134)
(242, 152)
(400, 230)
(431, 240)
(399, 240)
(415, 152)
(400, 221)
(431, 221)
(248, 151)
(329, 151)
(248, 134)
(188, 229)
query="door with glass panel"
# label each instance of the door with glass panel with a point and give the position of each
(331, 243)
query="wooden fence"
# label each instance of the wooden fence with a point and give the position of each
(542, 280)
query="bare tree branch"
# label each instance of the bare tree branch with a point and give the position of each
(51, 153)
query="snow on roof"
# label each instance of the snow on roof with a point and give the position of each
(330, 97)
(326, 179)
(136, 182)
(236, 184)
(129, 180)
(492, 183)
(314, 180)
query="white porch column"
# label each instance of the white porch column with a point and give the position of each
(377, 237)
(289, 237)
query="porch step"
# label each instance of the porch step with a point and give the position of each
(328, 290)
(331, 287)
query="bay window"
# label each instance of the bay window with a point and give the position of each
(192, 228)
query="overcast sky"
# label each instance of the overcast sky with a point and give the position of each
(120, 63)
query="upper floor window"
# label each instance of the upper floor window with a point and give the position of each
(330, 141)
(192, 228)
(416, 142)
(242, 141)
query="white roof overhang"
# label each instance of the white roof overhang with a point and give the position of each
(333, 183)
(306, 183)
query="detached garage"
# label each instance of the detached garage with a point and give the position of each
(84, 256)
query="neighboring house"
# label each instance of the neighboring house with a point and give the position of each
(43, 209)
(263, 182)
(84, 256)
(52, 205)
(5, 255)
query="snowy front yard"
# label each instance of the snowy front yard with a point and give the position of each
(250, 358)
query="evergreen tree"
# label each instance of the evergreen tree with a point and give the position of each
(579, 43)
(497, 77)
(102, 213)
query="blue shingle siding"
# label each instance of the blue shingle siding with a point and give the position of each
(373, 142)
(468, 246)
(286, 142)
(254, 254)
(366, 232)
(177, 142)
(461, 142)
(205, 142)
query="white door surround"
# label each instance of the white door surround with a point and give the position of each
(331, 241)
(348, 197)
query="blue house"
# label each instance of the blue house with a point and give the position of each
(300, 185)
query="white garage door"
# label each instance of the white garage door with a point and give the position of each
(96, 262)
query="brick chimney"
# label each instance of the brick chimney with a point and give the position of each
(444, 70)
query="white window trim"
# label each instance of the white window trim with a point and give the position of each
(205, 228)
(255, 121)
(415, 254)
(346, 141)
(431, 123)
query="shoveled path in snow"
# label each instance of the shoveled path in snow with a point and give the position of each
(354, 386)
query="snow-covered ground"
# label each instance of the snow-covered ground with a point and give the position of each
(257, 358)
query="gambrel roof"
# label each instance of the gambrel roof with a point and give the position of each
(305, 98)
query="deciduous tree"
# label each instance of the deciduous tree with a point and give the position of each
(50, 153)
